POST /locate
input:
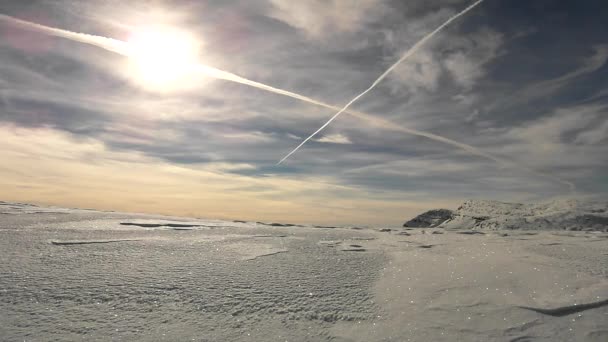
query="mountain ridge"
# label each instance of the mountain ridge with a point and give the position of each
(568, 214)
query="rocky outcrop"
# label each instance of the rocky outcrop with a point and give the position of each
(556, 215)
(429, 219)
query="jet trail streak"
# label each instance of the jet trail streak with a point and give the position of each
(123, 48)
(407, 54)
(105, 43)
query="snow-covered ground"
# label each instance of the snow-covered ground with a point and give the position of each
(69, 274)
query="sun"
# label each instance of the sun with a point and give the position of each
(162, 56)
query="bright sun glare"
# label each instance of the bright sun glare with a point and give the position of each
(162, 56)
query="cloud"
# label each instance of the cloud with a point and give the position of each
(318, 19)
(421, 72)
(537, 90)
(85, 173)
(335, 139)
(552, 129)
(564, 141)
(422, 177)
(589, 64)
(460, 57)
(595, 135)
(470, 53)
(251, 137)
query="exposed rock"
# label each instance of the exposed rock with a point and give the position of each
(574, 215)
(430, 219)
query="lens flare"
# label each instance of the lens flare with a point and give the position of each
(161, 56)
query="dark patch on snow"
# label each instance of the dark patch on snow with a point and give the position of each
(87, 242)
(569, 309)
(471, 232)
(158, 225)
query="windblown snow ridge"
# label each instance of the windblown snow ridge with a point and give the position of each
(568, 214)
(569, 309)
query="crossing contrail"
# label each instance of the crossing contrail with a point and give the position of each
(405, 56)
(124, 48)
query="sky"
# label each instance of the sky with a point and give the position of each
(524, 81)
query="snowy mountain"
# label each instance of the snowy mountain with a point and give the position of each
(483, 214)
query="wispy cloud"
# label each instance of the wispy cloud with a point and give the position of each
(411, 51)
(546, 87)
(320, 19)
(595, 135)
(335, 139)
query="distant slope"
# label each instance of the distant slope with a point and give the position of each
(431, 218)
(482, 214)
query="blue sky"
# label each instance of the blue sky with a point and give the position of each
(522, 81)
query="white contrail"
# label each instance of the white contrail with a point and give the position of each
(388, 125)
(109, 44)
(407, 54)
(379, 122)
(124, 49)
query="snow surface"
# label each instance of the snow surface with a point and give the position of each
(573, 215)
(69, 275)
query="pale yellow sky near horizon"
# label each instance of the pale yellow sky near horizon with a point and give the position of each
(44, 166)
